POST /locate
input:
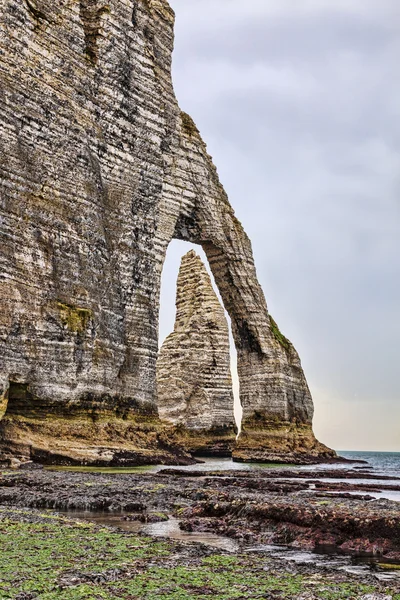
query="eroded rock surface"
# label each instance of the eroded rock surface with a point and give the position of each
(99, 170)
(194, 383)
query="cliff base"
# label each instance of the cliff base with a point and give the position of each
(214, 442)
(271, 441)
(92, 431)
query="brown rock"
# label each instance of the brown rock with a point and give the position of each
(194, 383)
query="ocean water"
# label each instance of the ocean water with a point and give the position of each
(382, 463)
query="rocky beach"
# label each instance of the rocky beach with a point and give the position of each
(268, 532)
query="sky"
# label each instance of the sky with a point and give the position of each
(299, 104)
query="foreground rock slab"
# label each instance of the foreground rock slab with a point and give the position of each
(194, 383)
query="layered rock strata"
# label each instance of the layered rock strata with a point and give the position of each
(194, 383)
(99, 170)
(280, 428)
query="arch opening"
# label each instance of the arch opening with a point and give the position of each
(176, 250)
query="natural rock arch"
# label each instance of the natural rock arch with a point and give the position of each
(99, 171)
(276, 401)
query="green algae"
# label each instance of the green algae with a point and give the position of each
(188, 125)
(279, 335)
(53, 558)
(35, 555)
(76, 319)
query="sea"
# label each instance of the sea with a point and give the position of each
(382, 463)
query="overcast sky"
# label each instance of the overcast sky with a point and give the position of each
(299, 104)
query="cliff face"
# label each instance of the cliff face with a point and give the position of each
(194, 383)
(99, 170)
(279, 429)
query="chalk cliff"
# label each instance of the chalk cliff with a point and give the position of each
(99, 170)
(194, 383)
(278, 427)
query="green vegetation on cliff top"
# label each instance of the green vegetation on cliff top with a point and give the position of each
(279, 335)
(46, 557)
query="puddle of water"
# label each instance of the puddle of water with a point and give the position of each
(383, 495)
(330, 556)
(169, 529)
(356, 480)
(266, 548)
(103, 518)
(356, 558)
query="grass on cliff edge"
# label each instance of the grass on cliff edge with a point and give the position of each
(54, 558)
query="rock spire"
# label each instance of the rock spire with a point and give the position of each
(194, 383)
